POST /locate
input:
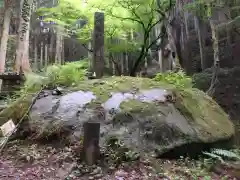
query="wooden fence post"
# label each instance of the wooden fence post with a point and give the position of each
(91, 137)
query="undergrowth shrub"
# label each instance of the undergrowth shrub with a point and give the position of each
(67, 75)
(55, 75)
(202, 80)
(179, 79)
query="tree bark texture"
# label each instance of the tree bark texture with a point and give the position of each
(59, 47)
(22, 54)
(5, 34)
(201, 34)
(216, 65)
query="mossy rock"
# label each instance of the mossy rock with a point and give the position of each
(146, 115)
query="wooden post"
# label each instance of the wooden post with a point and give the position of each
(91, 150)
(98, 44)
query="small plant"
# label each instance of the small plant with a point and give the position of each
(117, 152)
(179, 79)
(33, 83)
(202, 80)
(221, 154)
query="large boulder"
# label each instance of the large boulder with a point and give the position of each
(146, 115)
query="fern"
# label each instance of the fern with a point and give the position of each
(220, 153)
(226, 153)
(214, 156)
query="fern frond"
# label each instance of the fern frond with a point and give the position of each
(226, 153)
(214, 156)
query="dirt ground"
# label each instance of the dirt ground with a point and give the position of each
(21, 161)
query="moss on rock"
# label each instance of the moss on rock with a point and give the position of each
(135, 106)
(104, 87)
(203, 113)
(201, 110)
(16, 110)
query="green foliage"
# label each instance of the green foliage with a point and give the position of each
(69, 74)
(201, 8)
(1, 3)
(121, 19)
(226, 153)
(117, 152)
(69, 12)
(33, 83)
(202, 80)
(221, 154)
(205, 8)
(64, 14)
(179, 79)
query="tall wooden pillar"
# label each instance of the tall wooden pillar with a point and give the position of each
(98, 44)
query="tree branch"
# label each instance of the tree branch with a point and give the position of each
(85, 47)
(115, 63)
(132, 10)
(156, 39)
(128, 18)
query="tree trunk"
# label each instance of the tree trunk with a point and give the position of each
(126, 70)
(137, 63)
(41, 55)
(216, 65)
(90, 56)
(17, 64)
(157, 30)
(46, 55)
(22, 55)
(36, 53)
(199, 27)
(5, 35)
(52, 42)
(126, 58)
(58, 55)
(63, 53)
(186, 17)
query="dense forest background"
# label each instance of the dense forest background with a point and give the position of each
(140, 37)
(62, 63)
(184, 26)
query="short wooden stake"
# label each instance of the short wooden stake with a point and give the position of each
(91, 137)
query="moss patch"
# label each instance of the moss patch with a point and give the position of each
(104, 87)
(16, 110)
(135, 106)
(201, 110)
(203, 113)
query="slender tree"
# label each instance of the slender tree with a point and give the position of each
(5, 33)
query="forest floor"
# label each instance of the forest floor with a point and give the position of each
(21, 161)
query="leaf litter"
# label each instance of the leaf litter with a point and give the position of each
(26, 161)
